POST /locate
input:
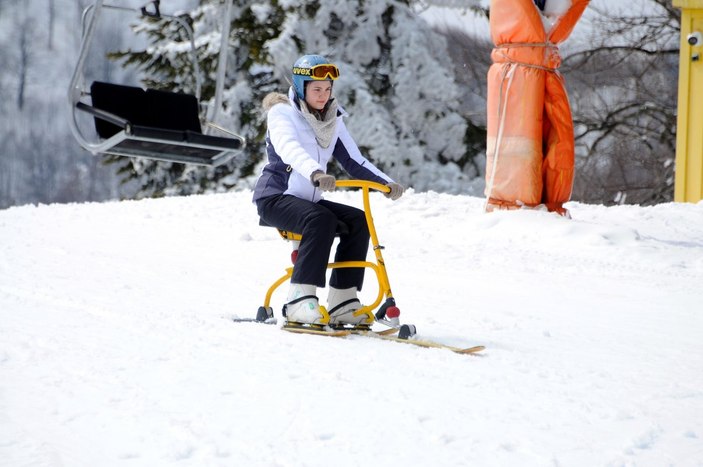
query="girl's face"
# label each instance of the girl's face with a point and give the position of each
(317, 93)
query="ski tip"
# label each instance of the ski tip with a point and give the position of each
(474, 349)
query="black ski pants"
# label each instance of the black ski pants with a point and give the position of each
(317, 223)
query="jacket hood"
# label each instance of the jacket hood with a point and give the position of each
(272, 99)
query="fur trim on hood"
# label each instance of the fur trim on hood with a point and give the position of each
(272, 99)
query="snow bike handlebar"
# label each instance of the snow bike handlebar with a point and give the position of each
(365, 184)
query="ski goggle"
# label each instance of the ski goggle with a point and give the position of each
(318, 72)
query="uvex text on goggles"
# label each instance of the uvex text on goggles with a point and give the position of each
(318, 72)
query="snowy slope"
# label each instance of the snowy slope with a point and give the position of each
(116, 346)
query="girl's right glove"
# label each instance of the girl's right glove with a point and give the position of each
(324, 181)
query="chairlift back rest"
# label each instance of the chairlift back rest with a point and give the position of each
(147, 108)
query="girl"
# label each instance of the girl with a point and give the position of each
(305, 130)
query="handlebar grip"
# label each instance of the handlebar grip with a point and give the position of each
(363, 184)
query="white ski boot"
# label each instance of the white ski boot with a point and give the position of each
(343, 306)
(302, 306)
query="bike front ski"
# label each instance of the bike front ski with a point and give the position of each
(423, 343)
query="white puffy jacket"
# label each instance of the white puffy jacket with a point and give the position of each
(293, 153)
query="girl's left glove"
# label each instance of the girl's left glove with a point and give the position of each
(396, 191)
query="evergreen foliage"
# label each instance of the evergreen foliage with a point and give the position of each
(397, 84)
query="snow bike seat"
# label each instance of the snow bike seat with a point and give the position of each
(342, 229)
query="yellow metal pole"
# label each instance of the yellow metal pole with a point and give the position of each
(379, 268)
(688, 184)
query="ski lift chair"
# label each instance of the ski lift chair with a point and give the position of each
(160, 125)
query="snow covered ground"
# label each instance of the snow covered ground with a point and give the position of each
(117, 348)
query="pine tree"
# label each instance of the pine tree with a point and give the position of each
(396, 83)
(167, 65)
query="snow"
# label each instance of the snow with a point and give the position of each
(117, 345)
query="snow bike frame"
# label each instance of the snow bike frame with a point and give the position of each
(379, 267)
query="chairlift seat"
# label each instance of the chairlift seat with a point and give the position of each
(154, 124)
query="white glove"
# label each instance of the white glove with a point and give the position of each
(396, 191)
(324, 181)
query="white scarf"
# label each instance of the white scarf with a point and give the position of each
(323, 127)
